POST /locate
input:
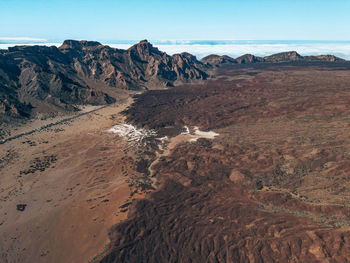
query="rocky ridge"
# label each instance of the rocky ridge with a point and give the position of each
(289, 56)
(46, 80)
(83, 72)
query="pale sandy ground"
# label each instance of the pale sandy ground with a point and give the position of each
(72, 204)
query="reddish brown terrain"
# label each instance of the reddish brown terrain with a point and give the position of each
(251, 164)
(272, 187)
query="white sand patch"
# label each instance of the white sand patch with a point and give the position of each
(132, 133)
(194, 134)
(137, 136)
(203, 134)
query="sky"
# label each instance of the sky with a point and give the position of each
(107, 20)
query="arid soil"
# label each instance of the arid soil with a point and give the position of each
(272, 187)
(74, 180)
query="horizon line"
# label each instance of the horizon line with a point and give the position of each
(43, 40)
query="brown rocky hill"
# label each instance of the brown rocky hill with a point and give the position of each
(49, 79)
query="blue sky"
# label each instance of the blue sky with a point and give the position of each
(106, 20)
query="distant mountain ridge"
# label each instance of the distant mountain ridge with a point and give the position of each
(289, 56)
(48, 79)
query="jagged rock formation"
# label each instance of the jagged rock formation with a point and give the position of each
(290, 56)
(81, 72)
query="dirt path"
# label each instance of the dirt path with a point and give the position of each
(51, 124)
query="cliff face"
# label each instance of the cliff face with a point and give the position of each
(79, 72)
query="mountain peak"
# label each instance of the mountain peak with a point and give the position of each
(187, 56)
(145, 41)
(144, 49)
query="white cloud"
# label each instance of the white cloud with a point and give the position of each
(120, 46)
(21, 39)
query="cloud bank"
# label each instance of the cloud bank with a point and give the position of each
(341, 50)
(258, 48)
